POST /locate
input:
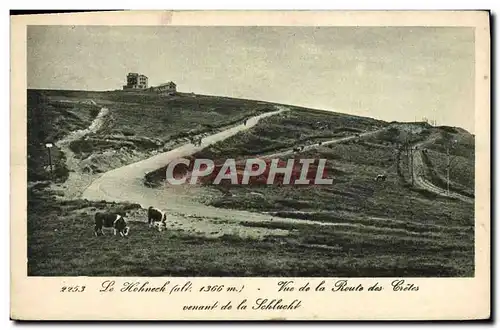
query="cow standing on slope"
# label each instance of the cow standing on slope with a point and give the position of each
(110, 221)
(157, 218)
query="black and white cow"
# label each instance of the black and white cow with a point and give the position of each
(110, 221)
(157, 218)
(380, 177)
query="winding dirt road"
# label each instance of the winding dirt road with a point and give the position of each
(325, 143)
(420, 181)
(125, 184)
(77, 180)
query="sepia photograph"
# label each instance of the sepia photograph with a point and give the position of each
(250, 165)
(250, 151)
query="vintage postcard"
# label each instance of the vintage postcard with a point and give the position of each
(250, 165)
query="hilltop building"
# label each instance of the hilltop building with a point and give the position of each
(136, 81)
(168, 88)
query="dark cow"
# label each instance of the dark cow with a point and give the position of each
(380, 177)
(157, 218)
(110, 221)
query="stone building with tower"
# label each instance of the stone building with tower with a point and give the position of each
(136, 81)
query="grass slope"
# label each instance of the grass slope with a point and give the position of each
(444, 239)
(381, 228)
(138, 124)
(49, 120)
(61, 243)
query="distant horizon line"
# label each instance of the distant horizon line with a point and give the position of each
(247, 99)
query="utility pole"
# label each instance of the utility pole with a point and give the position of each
(409, 156)
(411, 165)
(448, 165)
(49, 146)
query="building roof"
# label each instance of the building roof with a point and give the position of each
(170, 83)
(135, 74)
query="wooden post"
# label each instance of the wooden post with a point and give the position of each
(50, 163)
(448, 171)
(49, 146)
(412, 174)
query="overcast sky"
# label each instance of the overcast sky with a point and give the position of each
(387, 73)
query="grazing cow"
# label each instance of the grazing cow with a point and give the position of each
(380, 177)
(110, 221)
(157, 218)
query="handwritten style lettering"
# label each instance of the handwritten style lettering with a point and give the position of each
(144, 287)
(343, 285)
(275, 304)
(401, 285)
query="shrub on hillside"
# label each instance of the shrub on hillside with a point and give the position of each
(128, 132)
(391, 135)
(94, 112)
(81, 146)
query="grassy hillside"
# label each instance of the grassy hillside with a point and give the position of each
(61, 242)
(49, 120)
(352, 165)
(292, 128)
(282, 132)
(460, 146)
(462, 171)
(380, 228)
(457, 141)
(376, 215)
(138, 124)
(354, 192)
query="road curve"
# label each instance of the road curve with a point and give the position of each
(125, 184)
(421, 182)
(77, 180)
